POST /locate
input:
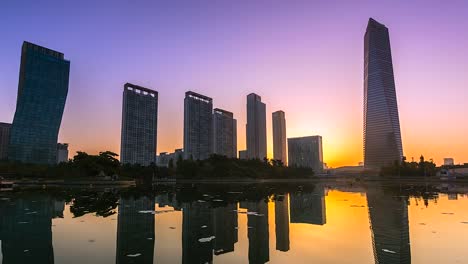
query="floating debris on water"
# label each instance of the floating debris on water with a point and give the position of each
(171, 227)
(388, 251)
(21, 223)
(26, 250)
(422, 223)
(201, 201)
(206, 239)
(355, 205)
(91, 241)
(234, 192)
(217, 200)
(134, 255)
(204, 226)
(464, 222)
(150, 238)
(29, 213)
(447, 213)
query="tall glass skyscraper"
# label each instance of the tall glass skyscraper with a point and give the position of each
(382, 137)
(139, 125)
(42, 92)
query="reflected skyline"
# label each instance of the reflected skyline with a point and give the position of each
(251, 224)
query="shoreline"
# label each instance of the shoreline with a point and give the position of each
(318, 179)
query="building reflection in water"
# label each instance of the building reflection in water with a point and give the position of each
(309, 207)
(257, 224)
(282, 222)
(197, 232)
(225, 228)
(26, 228)
(388, 214)
(135, 230)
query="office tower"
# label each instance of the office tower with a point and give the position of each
(256, 127)
(224, 133)
(382, 138)
(198, 127)
(5, 130)
(306, 152)
(42, 92)
(135, 230)
(282, 222)
(309, 207)
(279, 136)
(139, 125)
(197, 223)
(388, 214)
(62, 152)
(258, 232)
(225, 228)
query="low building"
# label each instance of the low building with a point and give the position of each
(243, 154)
(306, 152)
(448, 162)
(164, 158)
(5, 129)
(62, 152)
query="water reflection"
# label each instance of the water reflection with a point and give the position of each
(135, 230)
(216, 220)
(388, 214)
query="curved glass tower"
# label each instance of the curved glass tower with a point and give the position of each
(382, 137)
(42, 92)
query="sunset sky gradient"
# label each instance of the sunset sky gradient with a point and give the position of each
(302, 57)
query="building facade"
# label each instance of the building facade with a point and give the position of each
(449, 162)
(306, 152)
(62, 152)
(198, 126)
(224, 133)
(5, 129)
(279, 136)
(382, 137)
(139, 125)
(256, 127)
(42, 92)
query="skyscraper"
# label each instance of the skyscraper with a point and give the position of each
(306, 152)
(5, 129)
(256, 127)
(198, 127)
(139, 125)
(42, 92)
(382, 138)
(224, 133)
(279, 136)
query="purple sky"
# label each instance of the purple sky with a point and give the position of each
(303, 57)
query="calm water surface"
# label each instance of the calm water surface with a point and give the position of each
(316, 223)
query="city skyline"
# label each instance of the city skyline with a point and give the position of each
(421, 70)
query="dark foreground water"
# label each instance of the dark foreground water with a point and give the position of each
(316, 223)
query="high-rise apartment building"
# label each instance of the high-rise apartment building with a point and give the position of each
(279, 136)
(382, 137)
(306, 152)
(224, 133)
(198, 126)
(42, 92)
(5, 129)
(139, 125)
(256, 127)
